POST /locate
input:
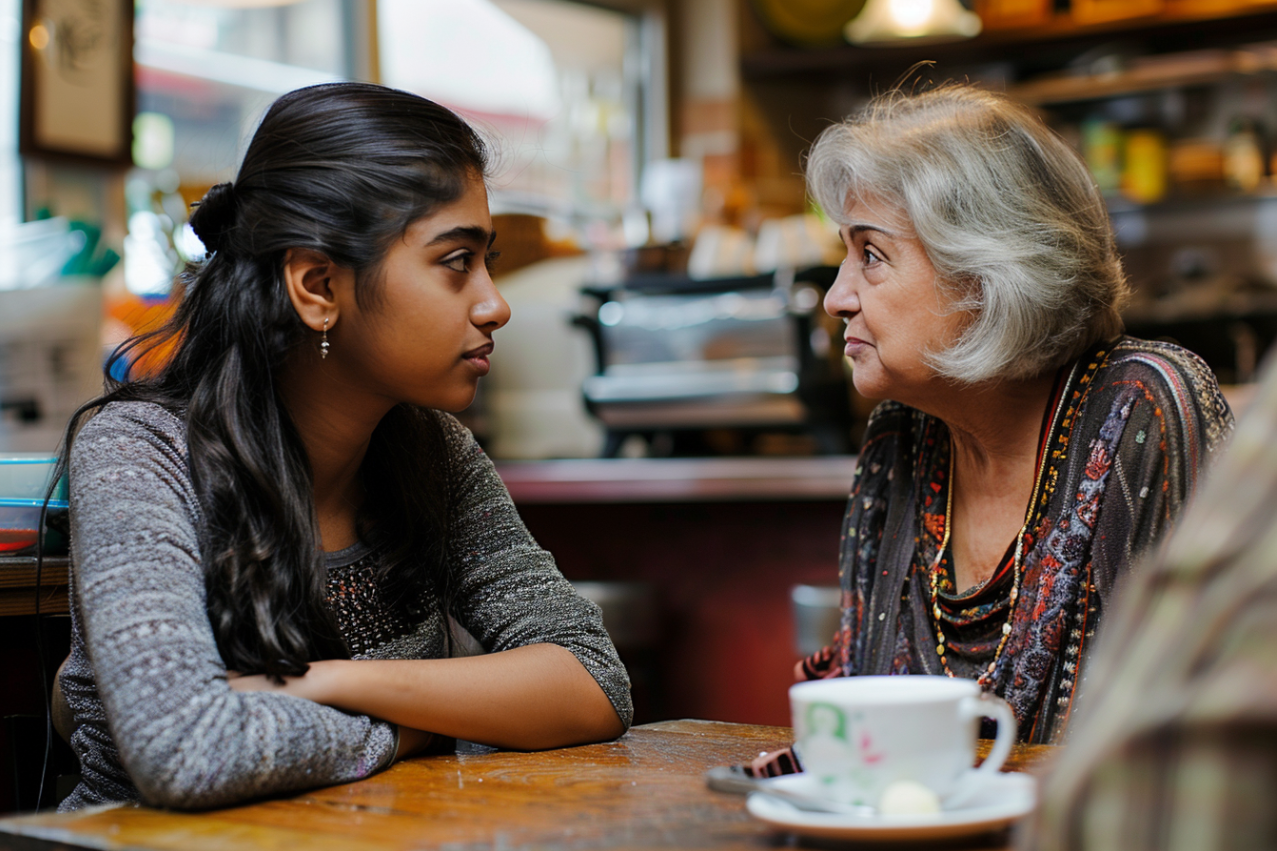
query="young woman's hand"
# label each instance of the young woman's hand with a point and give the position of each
(311, 687)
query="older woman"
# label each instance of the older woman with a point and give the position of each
(1025, 451)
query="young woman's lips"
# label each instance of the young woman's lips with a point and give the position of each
(478, 358)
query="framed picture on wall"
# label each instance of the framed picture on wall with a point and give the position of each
(77, 95)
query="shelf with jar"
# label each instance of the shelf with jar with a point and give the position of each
(1184, 148)
(1141, 74)
(1149, 167)
(1194, 127)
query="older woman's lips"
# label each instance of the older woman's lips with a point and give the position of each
(478, 358)
(855, 346)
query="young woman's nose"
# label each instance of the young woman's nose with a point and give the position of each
(843, 297)
(491, 311)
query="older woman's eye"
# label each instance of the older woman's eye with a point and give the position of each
(871, 256)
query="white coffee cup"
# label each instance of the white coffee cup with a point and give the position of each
(857, 735)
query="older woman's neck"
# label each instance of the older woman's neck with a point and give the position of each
(995, 440)
(994, 425)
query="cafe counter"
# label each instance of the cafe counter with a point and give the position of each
(624, 480)
(719, 542)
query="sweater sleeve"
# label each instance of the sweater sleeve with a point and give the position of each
(184, 737)
(509, 591)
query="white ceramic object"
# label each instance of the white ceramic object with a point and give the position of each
(796, 242)
(533, 393)
(51, 359)
(721, 252)
(995, 804)
(857, 735)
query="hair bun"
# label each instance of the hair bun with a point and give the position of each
(214, 216)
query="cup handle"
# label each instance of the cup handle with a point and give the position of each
(985, 706)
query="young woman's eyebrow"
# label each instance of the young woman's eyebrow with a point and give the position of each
(466, 233)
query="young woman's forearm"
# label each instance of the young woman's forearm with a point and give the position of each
(528, 698)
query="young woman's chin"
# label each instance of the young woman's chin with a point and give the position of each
(453, 402)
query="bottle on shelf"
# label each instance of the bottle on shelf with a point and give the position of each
(1102, 150)
(1144, 166)
(1244, 155)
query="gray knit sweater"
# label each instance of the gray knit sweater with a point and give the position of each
(155, 719)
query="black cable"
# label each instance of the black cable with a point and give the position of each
(40, 652)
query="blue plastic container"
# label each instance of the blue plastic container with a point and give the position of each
(19, 519)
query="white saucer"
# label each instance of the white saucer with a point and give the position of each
(1002, 800)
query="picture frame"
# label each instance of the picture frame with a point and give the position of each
(77, 95)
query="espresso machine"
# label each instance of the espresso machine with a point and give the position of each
(677, 356)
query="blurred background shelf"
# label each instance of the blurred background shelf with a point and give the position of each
(1182, 27)
(1146, 74)
(622, 480)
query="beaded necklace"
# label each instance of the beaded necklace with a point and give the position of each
(985, 678)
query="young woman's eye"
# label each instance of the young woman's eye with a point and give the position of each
(458, 262)
(490, 259)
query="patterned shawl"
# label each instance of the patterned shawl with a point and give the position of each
(1131, 427)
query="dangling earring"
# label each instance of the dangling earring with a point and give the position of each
(323, 344)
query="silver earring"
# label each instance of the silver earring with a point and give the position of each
(323, 344)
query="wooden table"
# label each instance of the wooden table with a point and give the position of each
(645, 790)
(17, 585)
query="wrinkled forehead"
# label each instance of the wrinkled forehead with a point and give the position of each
(875, 211)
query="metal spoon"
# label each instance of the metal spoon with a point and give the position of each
(730, 778)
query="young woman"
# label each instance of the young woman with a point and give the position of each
(271, 535)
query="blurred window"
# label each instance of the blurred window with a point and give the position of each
(207, 71)
(556, 84)
(10, 182)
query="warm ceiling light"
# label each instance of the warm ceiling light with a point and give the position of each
(893, 23)
(39, 37)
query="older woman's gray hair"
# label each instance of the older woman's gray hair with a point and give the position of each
(1007, 212)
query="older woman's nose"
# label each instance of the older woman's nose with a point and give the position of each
(843, 297)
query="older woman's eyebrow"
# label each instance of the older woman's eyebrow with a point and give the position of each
(856, 229)
(466, 233)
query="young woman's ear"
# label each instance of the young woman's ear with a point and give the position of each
(316, 286)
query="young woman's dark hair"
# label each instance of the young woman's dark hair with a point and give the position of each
(341, 170)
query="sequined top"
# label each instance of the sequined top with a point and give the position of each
(154, 717)
(364, 620)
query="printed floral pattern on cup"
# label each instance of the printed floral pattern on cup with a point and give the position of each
(848, 753)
